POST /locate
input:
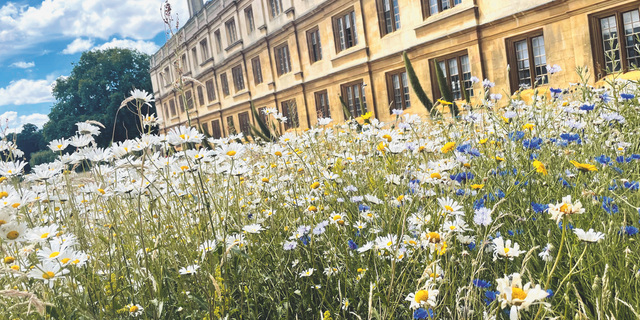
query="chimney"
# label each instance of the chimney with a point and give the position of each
(194, 7)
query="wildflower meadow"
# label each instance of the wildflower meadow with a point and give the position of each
(519, 208)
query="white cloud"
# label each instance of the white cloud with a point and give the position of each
(78, 45)
(13, 123)
(23, 65)
(147, 47)
(26, 91)
(24, 26)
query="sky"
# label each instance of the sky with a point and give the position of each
(40, 41)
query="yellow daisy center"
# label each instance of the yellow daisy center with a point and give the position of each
(48, 275)
(54, 254)
(231, 153)
(422, 296)
(12, 235)
(517, 293)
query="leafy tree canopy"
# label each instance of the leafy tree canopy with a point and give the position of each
(96, 87)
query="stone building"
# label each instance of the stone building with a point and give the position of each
(300, 56)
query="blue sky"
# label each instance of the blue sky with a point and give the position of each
(39, 41)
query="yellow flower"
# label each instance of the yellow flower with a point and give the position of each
(540, 167)
(422, 296)
(529, 126)
(444, 102)
(584, 167)
(448, 147)
(367, 115)
(499, 158)
(483, 141)
(477, 186)
(381, 147)
(436, 175)
(315, 185)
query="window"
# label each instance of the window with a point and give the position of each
(248, 14)
(353, 96)
(181, 102)
(617, 34)
(194, 56)
(165, 110)
(231, 128)
(257, 70)
(263, 115)
(184, 63)
(232, 35)
(276, 7)
(398, 90)
(238, 78)
(205, 128)
(204, 50)
(245, 126)
(431, 7)
(283, 64)
(211, 94)
(528, 61)
(290, 110)
(313, 42)
(166, 76)
(172, 108)
(200, 96)
(389, 16)
(344, 29)
(457, 71)
(218, 41)
(322, 104)
(189, 97)
(225, 84)
(216, 133)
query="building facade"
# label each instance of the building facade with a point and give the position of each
(301, 56)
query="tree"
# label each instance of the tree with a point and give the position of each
(29, 140)
(94, 90)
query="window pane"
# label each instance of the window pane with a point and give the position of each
(539, 60)
(445, 4)
(465, 68)
(522, 61)
(405, 88)
(455, 79)
(609, 29)
(433, 6)
(631, 21)
(388, 19)
(397, 91)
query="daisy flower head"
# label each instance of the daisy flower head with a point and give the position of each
(519, 297)
(505, 249)
(307, 273)
(48, 271)
(192, 269)
(182, 134)
(423, 297)
(253, 228)
(134, 310)
(565, 208)
(450, 206)
(588, 236)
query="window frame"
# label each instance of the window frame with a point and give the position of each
(172, 108)
(204, 50)
(232, 31)
(194, 55)
(315, 54)
(597, 47)
(395, 21)
(248, 16)
(406, 102)
(426, 6)
(200, 93)
(345, 97)
(211, 93)
(257, 70)
(280, 60)
(325, 109)
(275, 8)
(245, 128)
(434, 78)
(224, 82)
(514, 81)
(337, 35)
(238, 78)
(231, 125)
(286, 112)
(218, 36)
(216, 131)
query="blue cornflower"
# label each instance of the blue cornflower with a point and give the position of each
(605, 97)
(617, 169)
(570, 137)
(587, 107)
(630, 230)
(478, 203)
(500, 194)
(517, 135)
(352, 245)
(569, 226)
(460, 192)
(490, 296)
(539, 207)
(533, 156)
(632, 185)
(602, 159)
(620, 159)
(533, 143)
(482, 283)
(471, 246)
(555, 93)
(609, 206)
(550, 293)
(421, 313)
(627, 96)
(362, 207)
(305, 239)
(462, 176)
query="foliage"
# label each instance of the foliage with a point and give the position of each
(415, 84)
(262, 131)
(42, 156)
(482, 218)
(29, 140)
(98, 83)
